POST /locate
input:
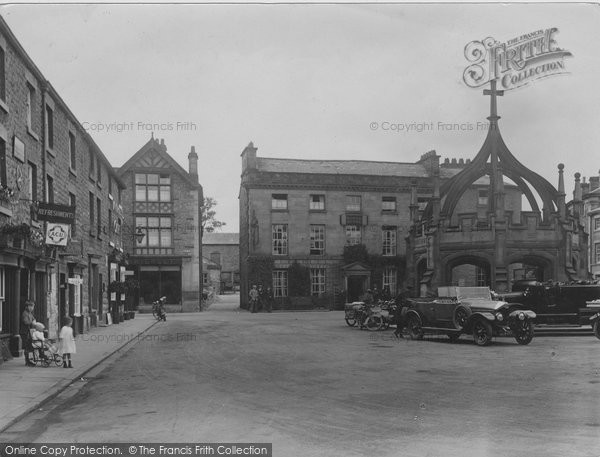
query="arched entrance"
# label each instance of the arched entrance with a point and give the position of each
(532, 268)
(468, 271)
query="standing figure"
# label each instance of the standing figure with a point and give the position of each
(27, 321)
(269, 299)
(67, 342)
(253, 299)
(401, 302)
(261, 297)
(376, 294)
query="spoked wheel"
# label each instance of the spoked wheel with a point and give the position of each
(596, 328)
(523, 332)
(460, 316)
(413, 325)
(350, 321)
(58, 361)
(373, 323)
(482, 332)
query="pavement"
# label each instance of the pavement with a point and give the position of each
(23, 389)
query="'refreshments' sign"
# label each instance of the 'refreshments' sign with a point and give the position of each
(515, 63)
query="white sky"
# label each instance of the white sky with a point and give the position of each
(306, 81)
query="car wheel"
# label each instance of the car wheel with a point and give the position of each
(415, 331)
(596, 328)
(373, 323)
(524, 332)
(482, 332)
(351, 322)
(460, 316)
(454, 336)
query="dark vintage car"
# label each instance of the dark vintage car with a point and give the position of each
(469, 310)
(555, 303)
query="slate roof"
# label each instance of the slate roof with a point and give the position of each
(220, 238)
(355, 167)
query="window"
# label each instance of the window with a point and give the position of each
(280, 283)
(92, 216)
(389, 240)
(1, 297)
(317, 281)
(110, 184)
(279, 201)
(92, 165)
(152, 188)
(49, 127)
(352, 202)
(32, 181)
(159, 235)
(3, 171)
(72, 202)
(597, 252)
(280, 239)
(72, 152)
(317, 203)
(110, 221)
(99, 216)
(30, 105)
(2, 74)
(597, 223)
(388, 204)
(98, 171)
(353, 235)
(482, 199)
(389, 280)
(317, 240)
(481, 277)
(205, 279)
(49, 189)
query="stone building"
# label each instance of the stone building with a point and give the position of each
(331, 229)
(224, 250)
(590, 200)
(47, 157)
(163, 201)
(503, 243)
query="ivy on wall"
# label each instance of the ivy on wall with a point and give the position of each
(260, 270)
(298, 280)
(378, 262)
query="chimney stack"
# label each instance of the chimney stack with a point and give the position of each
(193, 163)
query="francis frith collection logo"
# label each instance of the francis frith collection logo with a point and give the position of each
(516, 62)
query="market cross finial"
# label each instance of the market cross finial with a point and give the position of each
(494, 93)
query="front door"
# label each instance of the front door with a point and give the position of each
(356, 288)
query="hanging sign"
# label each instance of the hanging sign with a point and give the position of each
(515, 62)
(52, 212)
(57, 234)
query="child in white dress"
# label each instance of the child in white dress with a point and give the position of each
(67, 342)
(37, 338)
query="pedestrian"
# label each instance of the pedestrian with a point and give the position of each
(261, 298)
(401, 303)
(67, 342)
(253, 298)
(376, 294)
(368, 297)
(269, 299)
(27, 321)
(385, 293)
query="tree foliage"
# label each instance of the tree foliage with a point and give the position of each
(209, 220)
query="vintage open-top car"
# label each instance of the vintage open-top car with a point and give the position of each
(459, 310)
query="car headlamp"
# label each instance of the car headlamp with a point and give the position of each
(499, 317)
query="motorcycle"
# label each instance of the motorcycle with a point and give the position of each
(158, 310)
(367, 316)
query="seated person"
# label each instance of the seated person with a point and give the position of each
(37, 338)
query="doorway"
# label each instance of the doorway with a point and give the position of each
(356, 287)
